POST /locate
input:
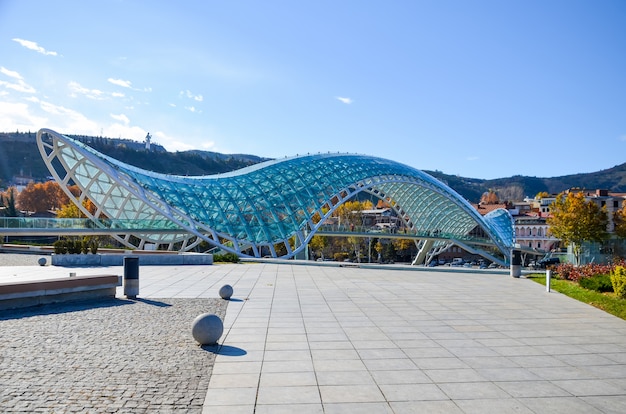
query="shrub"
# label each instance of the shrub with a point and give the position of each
(84, 246)
(74, 246)
(226, 257)
(60, 247)
(93, 246)
(599, 283)
(618, 279)
(568, 271)
(340, 256)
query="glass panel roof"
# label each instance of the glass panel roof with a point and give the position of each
(269, 202)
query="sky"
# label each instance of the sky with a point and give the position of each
(482, 89)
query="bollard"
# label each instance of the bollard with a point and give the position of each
(516, 263)
(131, 277)
(548, 275)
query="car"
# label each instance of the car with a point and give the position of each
(548, 262)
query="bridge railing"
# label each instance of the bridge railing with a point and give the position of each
(375, 231)
(83, 223)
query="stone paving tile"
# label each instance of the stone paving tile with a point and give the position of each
(342, 340)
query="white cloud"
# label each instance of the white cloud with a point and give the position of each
(77, 89)
(117, 95)
(347, 101)
(125, 131)
(18, 84)
(120, 82)
(34, 46)
(190, 95)
(473, 158)
(122, 118)
(193, 109)
(10, 73)
(170, 143)
(21, 116)
(18, 117)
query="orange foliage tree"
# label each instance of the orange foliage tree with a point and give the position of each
(40, 197)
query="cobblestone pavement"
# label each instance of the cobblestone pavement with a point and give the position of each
(111, 355)
(14, 259)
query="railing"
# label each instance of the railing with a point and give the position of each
(391, 232)
(46, 225)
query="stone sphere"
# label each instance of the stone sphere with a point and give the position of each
(42, 261)
(207, 328)
(226, 292)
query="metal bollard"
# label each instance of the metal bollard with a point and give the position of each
(131, 277)
(548, 275)
(516, 263)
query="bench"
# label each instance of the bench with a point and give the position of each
(38, 292)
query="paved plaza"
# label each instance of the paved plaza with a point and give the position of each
(312, 339)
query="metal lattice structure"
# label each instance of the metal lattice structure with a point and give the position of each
(272, 208)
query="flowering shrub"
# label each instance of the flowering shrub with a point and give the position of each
(568, 271)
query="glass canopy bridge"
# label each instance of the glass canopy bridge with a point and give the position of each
(271, 208)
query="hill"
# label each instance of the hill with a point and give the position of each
(517, 187)
(19, 157)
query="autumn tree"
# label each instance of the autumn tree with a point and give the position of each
(319, 244)
(351, 212)
(40, 197)
(71, 210)
(619, 219)
(575, 221)
(489, 197)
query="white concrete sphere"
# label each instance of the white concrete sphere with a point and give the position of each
(226, 292)
(207, 328)
(42, 261)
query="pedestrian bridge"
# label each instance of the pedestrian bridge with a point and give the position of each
(272, 208)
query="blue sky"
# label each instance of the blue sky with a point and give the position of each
(481, 89)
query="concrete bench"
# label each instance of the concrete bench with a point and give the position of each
(38, 292)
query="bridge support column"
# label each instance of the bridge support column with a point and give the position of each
(304, 253)
(423, 251)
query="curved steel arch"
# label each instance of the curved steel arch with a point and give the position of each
(265, 205)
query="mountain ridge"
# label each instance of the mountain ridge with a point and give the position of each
(23, 147)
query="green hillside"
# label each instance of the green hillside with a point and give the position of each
(19, 156)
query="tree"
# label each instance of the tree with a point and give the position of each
(319, 244)
(619, 219)
(542, 194)
(41, 197)
(71, 210)
(7, 200)
(351, 212)
(490, 197)
(575, 221)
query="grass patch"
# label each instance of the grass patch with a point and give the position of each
(608, 302)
